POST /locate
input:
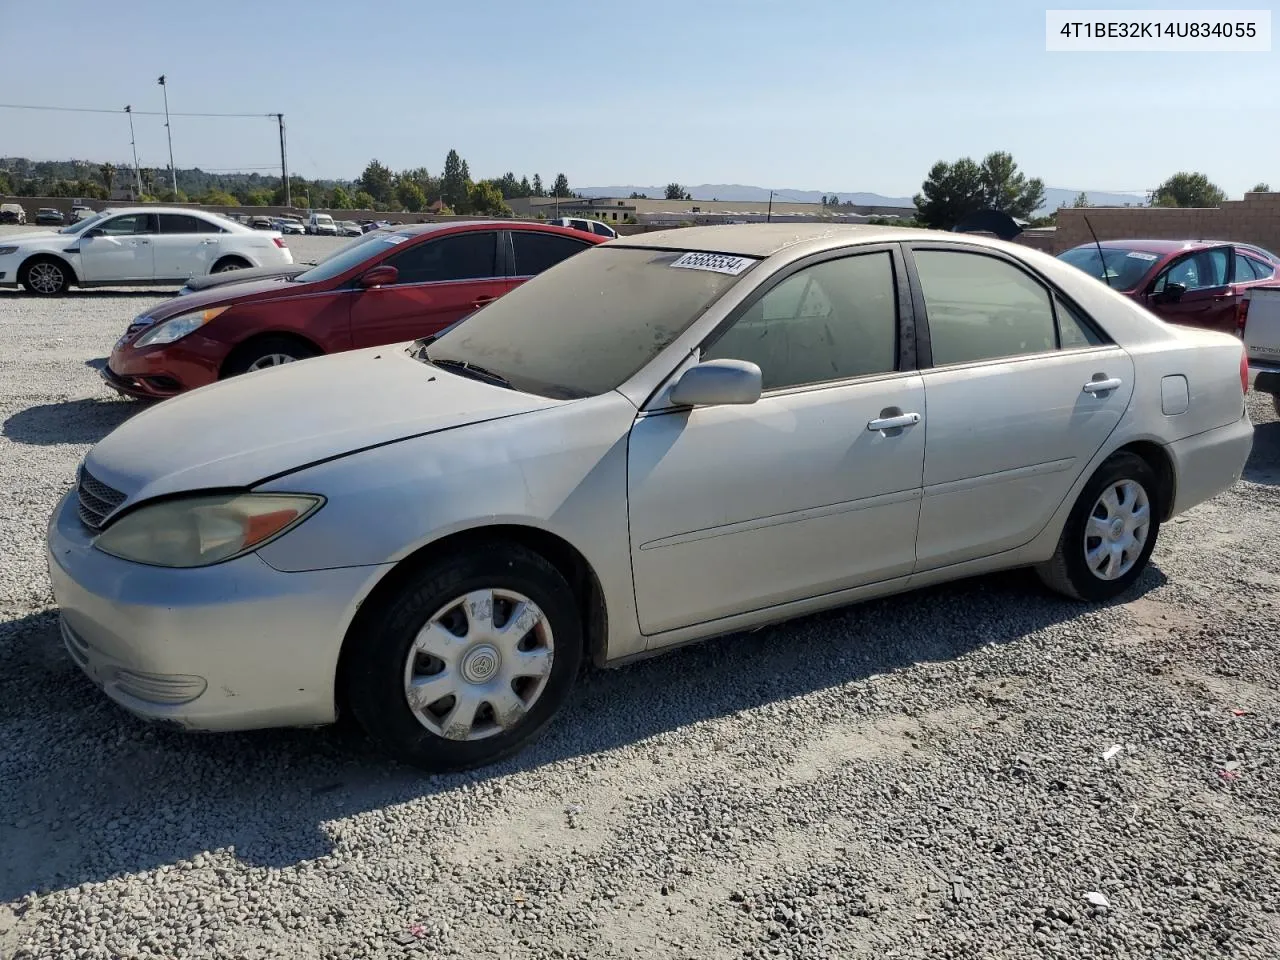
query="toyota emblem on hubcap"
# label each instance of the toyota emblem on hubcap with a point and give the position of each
(480, 664)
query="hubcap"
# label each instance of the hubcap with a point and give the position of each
(479, 664)
(1117, 530)
(45, 278)
(271, 360)
(227, 267)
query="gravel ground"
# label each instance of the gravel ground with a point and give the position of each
(929, 776)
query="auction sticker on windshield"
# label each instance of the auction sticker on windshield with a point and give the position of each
(394, 238)
(715, 262)
(1140, 255)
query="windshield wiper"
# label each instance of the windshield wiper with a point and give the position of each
(466, 369)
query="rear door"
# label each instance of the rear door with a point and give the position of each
(1209, 300)
(441, 280)
(1021, 391)
(182, 250)
(120, 249)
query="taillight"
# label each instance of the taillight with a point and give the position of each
(1244, 370)
(280, 242)
(1242, 316)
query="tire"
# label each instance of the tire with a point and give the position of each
(1131, 481)
(259, 354)
(45, 276)
(379, 671)
(227, 264)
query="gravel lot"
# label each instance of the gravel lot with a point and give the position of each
(919, 777)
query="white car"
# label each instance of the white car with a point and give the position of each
(322, 224)
(586, 226)
(135, 246)
(761, 422)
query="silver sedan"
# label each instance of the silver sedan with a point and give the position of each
(667, 437)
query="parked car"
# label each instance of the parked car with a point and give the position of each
(672, 436)
(49, 216)
(587, 226)
(368, 225)
(12, 213)
(322, 224)
(262, 223)
(381, 288)
(292, 225)
(1197, 282)
(135, 246)
(80, 211)
(349, 228)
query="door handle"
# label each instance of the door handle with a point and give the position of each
(136, 242)
(893, 423)
(205, 243)
(1102, 386)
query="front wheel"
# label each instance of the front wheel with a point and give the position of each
(266, 353)
(469, 661)
(46, 277)
(1109, 534)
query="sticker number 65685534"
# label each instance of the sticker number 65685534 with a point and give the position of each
(715, 262)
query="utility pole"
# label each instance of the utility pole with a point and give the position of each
(172, 169)
(284, 164)
(133, 142)
(769, 219)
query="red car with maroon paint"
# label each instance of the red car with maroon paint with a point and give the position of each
(1198, 283)
(389, 286)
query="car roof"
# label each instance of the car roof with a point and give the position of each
(766, 239)
(1157, 246)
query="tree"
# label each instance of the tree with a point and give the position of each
(219, 198)
(537, 186)
(6, 185)
(485, 197)
(954, 190)
(364, 200)
(168, 196)
(411, 196)
(454, 183)
(638, 196)
(340, 200)
(1261, 188)
(108, 172)
(525, 189)
(1006, 189)
(561, 186)
(676, 192)
(376, 181)
(255, 198)
(1081, 200)
(1185, 189)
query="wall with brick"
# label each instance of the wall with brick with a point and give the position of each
(1255, 219)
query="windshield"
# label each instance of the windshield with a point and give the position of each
(84, 224)
(1125, 268)
(587, 324)
(362, 248)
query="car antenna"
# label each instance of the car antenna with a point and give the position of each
(1101, 259)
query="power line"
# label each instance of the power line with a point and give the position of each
(141, 113)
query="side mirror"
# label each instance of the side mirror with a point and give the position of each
(379, 276)
(1171, 293)
(717, 382)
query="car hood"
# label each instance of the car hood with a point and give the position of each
(239, 432)
(30, 236)
(263, 288)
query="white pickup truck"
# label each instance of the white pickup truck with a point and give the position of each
(1261, 336)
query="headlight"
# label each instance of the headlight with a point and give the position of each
(178, 327)
(203, 530)
(5, 251)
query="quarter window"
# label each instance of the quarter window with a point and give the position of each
(981, 308)
(831, 321)
(463, 256)
(535, 252)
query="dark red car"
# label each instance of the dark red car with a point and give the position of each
(388, 286)
(1199, 283)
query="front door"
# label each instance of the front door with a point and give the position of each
(1209, 300)
(739, 508)
(182, 249)
(120, 249)
(441, 281)
(1021, 394)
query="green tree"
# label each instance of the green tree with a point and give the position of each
(1263, 187)
(168, 196)
(455, 181)
(676, 192)
(411, 196)
(255, 198)
(561, 186)
(376, 181)
(1081, 200)
(1004, 188)
(108, 173)
(1185, 189)
(950, 191)
(6, 185)
(638, 196)
(219, 198)
(525, 189)
(537, 186)
(340, 200)
(486, 197)
(364, 200)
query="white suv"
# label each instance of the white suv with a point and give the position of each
(135, 246)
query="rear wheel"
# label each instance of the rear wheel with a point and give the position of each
(45, 276)
(469, 661)
(267, 352)
(227, 264)
(1110, 533)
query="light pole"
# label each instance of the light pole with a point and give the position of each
(769, 219)
(133, 142)
(172, 169)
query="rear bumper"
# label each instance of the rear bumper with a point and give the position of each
(1209, 463)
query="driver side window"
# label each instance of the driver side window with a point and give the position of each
(131, 224)
(1196, 271)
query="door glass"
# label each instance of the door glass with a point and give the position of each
(1198, 271)
(831, 321)
(1073, 330)
(463, 256)
(128, 225)
(178, 223)
(536, 252)
(1261, 271)
(981, 308)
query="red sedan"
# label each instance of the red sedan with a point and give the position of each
(1199, 283)
(387, 287)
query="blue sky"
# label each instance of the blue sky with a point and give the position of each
(809, 94)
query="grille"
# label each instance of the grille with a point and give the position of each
(97, 500)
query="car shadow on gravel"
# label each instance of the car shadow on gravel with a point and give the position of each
(1263, 465)
(74, 421)
(87, 791)
(94, 293)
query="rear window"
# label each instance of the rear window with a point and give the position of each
(1124, 268)
(536, 252)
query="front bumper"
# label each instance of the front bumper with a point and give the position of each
(235, 646)
(160, 372)
(1210, 462)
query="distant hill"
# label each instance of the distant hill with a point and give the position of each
(1054, 197)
